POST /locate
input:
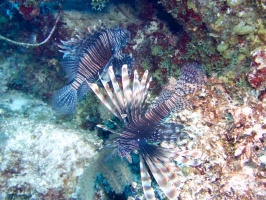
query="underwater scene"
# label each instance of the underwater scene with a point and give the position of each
(132, 99)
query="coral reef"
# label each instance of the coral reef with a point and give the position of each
(257, 74)
(7, 71)
(228, 125)
(236, 28)
(40, 159)
(30, 62)
(227, 122)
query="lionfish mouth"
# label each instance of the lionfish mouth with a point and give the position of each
(144, 131)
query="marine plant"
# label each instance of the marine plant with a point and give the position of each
(143, 132)
(98, 4)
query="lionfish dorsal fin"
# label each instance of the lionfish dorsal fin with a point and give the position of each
(111, 96)
(126, 90)
(135, 96)
(145, 84)
(118, 92)
(95, 89)
(139, 93)
(106, 128)
(125, 102)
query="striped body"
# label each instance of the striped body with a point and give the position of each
(85, 58)
(190, 80)
(144, 130)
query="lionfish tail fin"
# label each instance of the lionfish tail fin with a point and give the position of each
(83, 90)
(64, 100)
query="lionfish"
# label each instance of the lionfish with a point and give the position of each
(144, 131)
(86, 57)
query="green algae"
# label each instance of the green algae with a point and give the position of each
(242, 29)
(222, 47)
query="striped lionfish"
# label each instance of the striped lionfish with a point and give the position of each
(143, 132)
(86, 57)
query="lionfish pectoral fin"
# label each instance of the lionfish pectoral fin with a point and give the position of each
(191, 79)
(110, 155)
(168, 132)
(181, 103)
(169, 171)
(146, 181)
(165, 180)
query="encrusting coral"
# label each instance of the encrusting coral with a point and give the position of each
(228, 125)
